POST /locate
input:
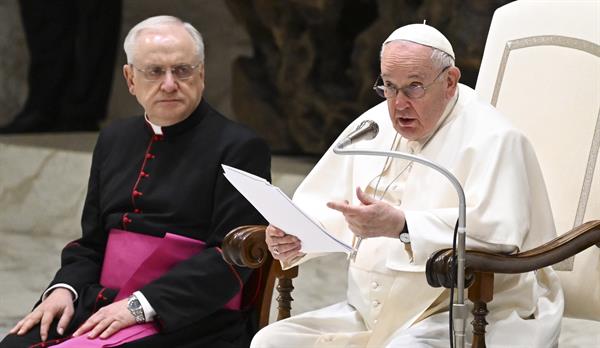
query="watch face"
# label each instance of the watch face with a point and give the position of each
(135, 308)
(134, 303)
(404, 238)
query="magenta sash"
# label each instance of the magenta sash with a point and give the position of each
(131, 261)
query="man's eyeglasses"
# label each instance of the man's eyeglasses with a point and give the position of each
(414, 90)
(157, 72)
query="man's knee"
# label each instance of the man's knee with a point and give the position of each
(266, 338)
(30, 338)
(14, 341)
(260, 340)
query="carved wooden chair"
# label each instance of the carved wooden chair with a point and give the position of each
(541, 67)
(245, 246)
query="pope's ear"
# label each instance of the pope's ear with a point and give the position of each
(453, 76)
(128, 75)
(452, 80)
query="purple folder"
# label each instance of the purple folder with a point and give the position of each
(131, 261)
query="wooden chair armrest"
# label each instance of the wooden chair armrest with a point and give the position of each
(245, 246)
(480, 267)
(558, 249)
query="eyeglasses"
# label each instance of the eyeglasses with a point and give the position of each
(157, 72)
(414, 90)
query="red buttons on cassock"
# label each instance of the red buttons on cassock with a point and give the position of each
(137, 211)
(125, 220)
(157, 137)
(150, 156)
(137, 193)
(144, 174)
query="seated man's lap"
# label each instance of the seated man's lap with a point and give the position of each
(341, 325)
(432, 332)
(339, 321)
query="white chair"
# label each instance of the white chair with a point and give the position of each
(541, 68)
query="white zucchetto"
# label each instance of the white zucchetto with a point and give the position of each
(422, 34)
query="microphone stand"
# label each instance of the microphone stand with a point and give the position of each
(459, 308)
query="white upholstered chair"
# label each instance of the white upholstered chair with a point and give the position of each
(541, 68)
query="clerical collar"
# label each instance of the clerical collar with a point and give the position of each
(181, 127)
(156, 129)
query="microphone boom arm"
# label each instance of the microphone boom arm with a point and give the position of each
(459, 308)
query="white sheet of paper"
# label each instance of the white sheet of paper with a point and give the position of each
(280, 211)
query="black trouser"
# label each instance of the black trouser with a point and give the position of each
(72, 47)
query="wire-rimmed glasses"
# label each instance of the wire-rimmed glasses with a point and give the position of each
(157, 72)
(413, 90)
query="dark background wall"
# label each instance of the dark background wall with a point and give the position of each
(314, 62)
(297, 71)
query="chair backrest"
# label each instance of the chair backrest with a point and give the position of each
(541, 68)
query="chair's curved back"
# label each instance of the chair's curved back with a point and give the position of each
(541, 68)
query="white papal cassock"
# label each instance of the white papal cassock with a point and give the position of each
(389, 303)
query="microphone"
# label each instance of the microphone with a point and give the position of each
(366, 130)
(460, 311)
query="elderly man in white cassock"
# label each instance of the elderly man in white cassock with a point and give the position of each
(405, 212)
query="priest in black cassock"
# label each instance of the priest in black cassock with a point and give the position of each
(148, 270)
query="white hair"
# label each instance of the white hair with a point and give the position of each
(153, 22)
(439, 58)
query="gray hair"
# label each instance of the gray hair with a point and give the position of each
(153, 22)
(439, 58)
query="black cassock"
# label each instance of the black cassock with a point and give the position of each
(151, 184)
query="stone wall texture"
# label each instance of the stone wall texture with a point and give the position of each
(314, 62)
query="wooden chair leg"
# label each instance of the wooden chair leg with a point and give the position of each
(480, 293)
(285, 288)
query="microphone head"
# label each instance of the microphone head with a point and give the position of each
(366, 130)
(371, 129)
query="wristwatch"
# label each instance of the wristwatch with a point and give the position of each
(135, 308)
(404, 237)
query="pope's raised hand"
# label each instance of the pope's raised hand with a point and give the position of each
(372, 218)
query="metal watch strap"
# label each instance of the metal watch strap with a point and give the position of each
(135, 308)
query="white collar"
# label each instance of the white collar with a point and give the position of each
(156, 129)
